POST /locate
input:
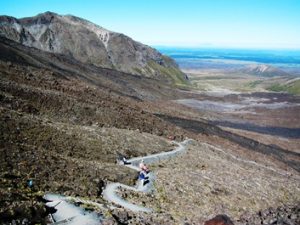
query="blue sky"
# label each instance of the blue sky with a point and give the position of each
(201, 23)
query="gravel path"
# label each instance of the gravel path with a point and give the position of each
(110, 194)
(68, 213)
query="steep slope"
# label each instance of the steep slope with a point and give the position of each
(121, 83)
(90, 43)
(62, 123)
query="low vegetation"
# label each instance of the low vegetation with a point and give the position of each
(292, 88)
(175, 75)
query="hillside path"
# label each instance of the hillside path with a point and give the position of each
(110, 191)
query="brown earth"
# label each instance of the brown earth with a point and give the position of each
(207, 181)
(64, 133)
(62, 123)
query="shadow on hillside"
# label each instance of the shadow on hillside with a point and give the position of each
(292, 159)
(277, 131)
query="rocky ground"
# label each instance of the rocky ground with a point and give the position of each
(62, 125)
(63, 158)
(65, 136)
(286, 214)
(283, 215)
(207, 181)
(90, 44)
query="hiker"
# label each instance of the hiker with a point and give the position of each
(100, 186)
(121, 159)
(143, 167)
(143, 177)
(125, 162)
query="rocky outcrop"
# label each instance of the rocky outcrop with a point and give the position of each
(91, 44)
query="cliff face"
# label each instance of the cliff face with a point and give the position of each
(90, 43)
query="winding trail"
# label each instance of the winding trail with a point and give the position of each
(110, 191)
(68, 213)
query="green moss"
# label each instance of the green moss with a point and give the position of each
(277, 88)
(88, 206)
(172, 73)
(292, 88)
(253, 84)
(138, 70)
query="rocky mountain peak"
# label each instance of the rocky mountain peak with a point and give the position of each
(90, 43)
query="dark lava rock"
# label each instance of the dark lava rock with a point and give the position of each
(121, 216)
(24, 213)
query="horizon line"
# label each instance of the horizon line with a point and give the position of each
(242, 47)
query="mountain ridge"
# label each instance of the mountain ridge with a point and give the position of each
(263, 70)
(90, 43)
